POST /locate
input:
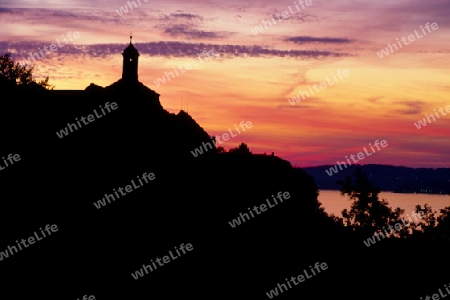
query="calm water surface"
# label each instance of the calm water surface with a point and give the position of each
(334, 203)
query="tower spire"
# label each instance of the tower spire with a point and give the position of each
(130, 62)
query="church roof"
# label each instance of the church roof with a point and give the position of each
(130, 50)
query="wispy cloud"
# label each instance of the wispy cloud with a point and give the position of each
(184, 30)
(412, 107)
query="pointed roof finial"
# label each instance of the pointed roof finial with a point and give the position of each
(131, 37)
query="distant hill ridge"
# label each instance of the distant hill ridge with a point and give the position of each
(397, 179)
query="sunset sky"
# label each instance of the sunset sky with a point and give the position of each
(252, 76)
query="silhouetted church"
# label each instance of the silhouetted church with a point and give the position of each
(130, 63)
(129, 74)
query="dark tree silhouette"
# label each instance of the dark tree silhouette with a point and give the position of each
(12, 74)
(221, 149)
(367, 212)
(431, 226)
(242, 149)
(443, 227)
(428, 222)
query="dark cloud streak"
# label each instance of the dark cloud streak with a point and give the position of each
(167, 49)
(310, 39)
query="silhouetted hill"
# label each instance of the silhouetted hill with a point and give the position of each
(389, 178)
(191, 200)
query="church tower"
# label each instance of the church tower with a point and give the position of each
(130, 63)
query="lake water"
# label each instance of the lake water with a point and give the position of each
(334, 203)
